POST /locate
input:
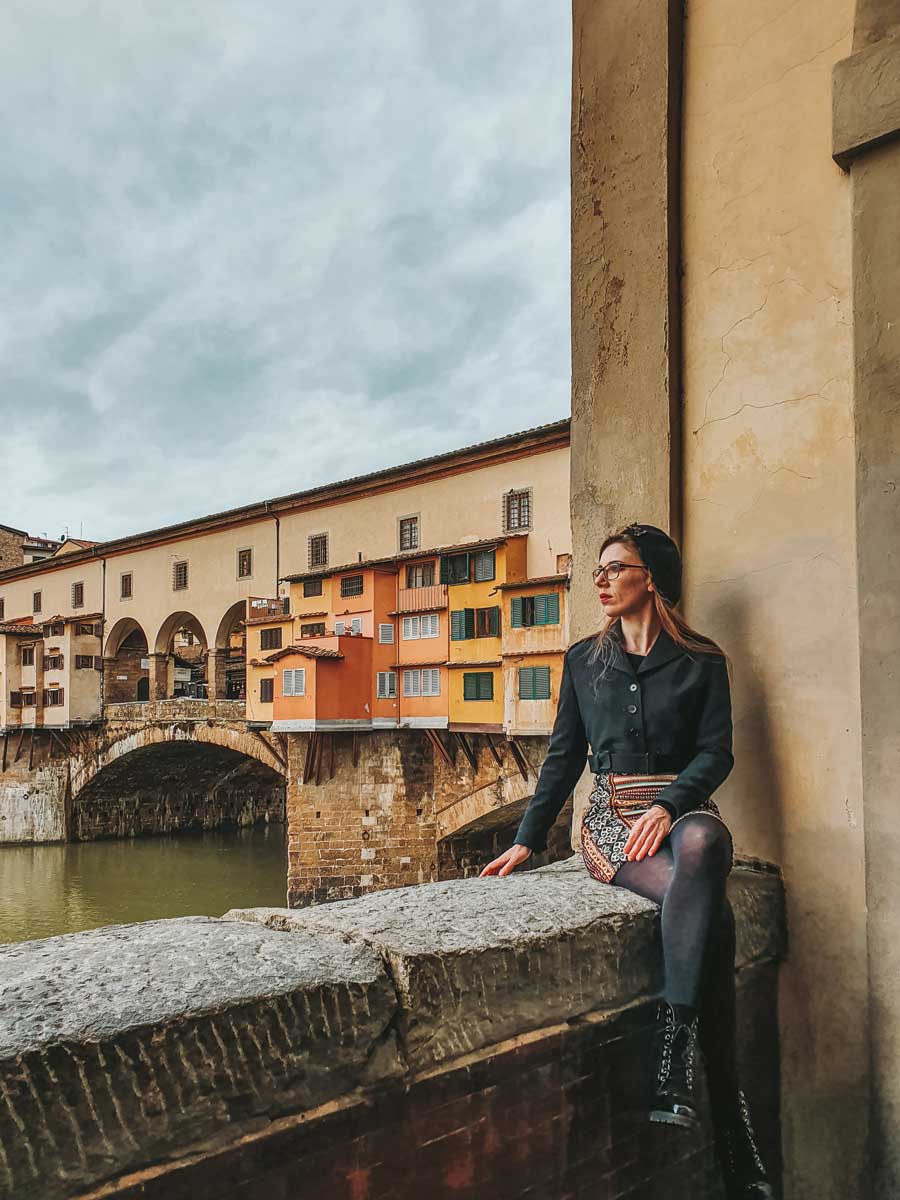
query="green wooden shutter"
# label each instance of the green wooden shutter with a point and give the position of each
(494, 621)
(458, 625)
(540, 610)
(526, 683)
(485, 685)
(541, 683)
(515, 612)
(470, 686)
(485, 566)
(552, 610)
(445, 570)
(470, 622)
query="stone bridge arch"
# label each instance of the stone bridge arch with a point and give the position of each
(164, 778)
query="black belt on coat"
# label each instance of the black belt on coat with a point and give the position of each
(628, 763)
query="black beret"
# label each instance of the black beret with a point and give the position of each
(661, 558)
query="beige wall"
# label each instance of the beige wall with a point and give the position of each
(769, 519)
(55, 587)
(453, 510)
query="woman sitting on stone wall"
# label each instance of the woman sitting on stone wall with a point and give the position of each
(651, 696)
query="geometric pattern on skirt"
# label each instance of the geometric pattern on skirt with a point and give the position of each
(613, 807)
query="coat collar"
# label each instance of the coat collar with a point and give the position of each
(662, 651)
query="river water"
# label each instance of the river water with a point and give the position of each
(45, 890)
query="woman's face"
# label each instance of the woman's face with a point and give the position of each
(632, 591)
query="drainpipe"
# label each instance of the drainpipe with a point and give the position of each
(102, 635)
(274, 517)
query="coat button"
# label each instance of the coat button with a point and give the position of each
(632, 708)
(632, 732)
(632, 687)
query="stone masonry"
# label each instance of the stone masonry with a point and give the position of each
(469, 1038)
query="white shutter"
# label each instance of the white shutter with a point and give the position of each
(412, 683)
(340, 627)
(287, 683)
(356, 625)
(430, 625)
(387, 685)
(293, 682)
(300, 681)
(386, 634)
(431, 681)
(411, 627)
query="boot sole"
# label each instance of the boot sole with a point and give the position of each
(661, 1117)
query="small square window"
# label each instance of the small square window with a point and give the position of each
(126, 585)
(314, 629)
(28, 656)
(352, 585)
(179, 576)
(318, 549)
(270, 639)
(409, 533)
(421, 575)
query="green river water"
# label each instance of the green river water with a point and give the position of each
(46, 890)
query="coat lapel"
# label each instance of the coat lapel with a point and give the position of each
(662, 651)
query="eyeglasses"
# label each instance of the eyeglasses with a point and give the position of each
(613, 570)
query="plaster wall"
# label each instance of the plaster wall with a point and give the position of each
(55, 585)
(452, 510)
(769, 512)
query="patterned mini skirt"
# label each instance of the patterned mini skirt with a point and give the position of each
(613, 807)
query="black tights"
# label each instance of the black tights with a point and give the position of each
(686, 877)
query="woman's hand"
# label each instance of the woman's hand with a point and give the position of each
(508, 861)
(647, 833)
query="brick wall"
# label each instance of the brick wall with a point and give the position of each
(11, 555)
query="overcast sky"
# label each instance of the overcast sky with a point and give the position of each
(253, 247)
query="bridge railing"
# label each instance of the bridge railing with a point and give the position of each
(179, 708)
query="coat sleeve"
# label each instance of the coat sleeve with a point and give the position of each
(562, 768)
(713, 758)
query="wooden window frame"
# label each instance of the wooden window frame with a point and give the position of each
(314, 558)
(2, 609)
(267, 685)
(37, 601)
(271, 639)
(423, 571)
(314, 629)
(487, 621)
(515, 495)
(248, 574)
(29, 661)
(485, 566)
(176, 574)
(386, 685)
(528, 682)
(410, 521)
(77, 594)
(84, 662)
(479, 677)
(126, 594)
(312, 587)
(451, 571)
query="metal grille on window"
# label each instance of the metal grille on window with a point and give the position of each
(36, 602)
(77, 595)
(179, 576)
(386, 634)
(352, 585)
(318, 549)
(293, 681)
(245, 563)
(409, 533)
(125, 583)
(517, 510)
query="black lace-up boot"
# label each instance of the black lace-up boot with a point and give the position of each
(742, 1168)
(673, 1103)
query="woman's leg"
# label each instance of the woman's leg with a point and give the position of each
(687, 878)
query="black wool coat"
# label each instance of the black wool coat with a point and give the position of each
(672, 715)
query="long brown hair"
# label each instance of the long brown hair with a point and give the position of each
(670, 619)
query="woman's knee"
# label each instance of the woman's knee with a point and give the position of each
(703, 841)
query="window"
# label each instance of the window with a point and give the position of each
(286, 605)
(563, 563)
(293, 682)
(29, 699)
(28, 656)
(87, 631)
(352, 585)
(455, 568)
(270, 639)
(517, 510)
(386, 685)
(53, 697)
(312, 587)
(340, 628)
(485, 565)
(126, 586)
(2, 608)
(534, 610)
(462, 624)
(421, 575)
(478, 685)
(409, 533)
(15, 699)
(187, 637)
(53, 662)
(315, 629)
(179, 576)
(266, 691)
(386, 634)
(534, 683)
(78, 595)
(36, 602)
(356, 626)
(487, 622)
(84, 662)
(425, 682)
(318, 549)
(244, 564)
(430, 625)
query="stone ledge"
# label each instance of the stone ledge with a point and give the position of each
(127, 1045)
(865, 100)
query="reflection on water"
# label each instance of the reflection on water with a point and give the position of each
(45, 890)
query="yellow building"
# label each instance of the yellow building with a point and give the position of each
(535, 636)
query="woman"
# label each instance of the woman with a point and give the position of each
(651, 697)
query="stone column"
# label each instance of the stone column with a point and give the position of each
(159, 676)
(215, 674)
(867, 143)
